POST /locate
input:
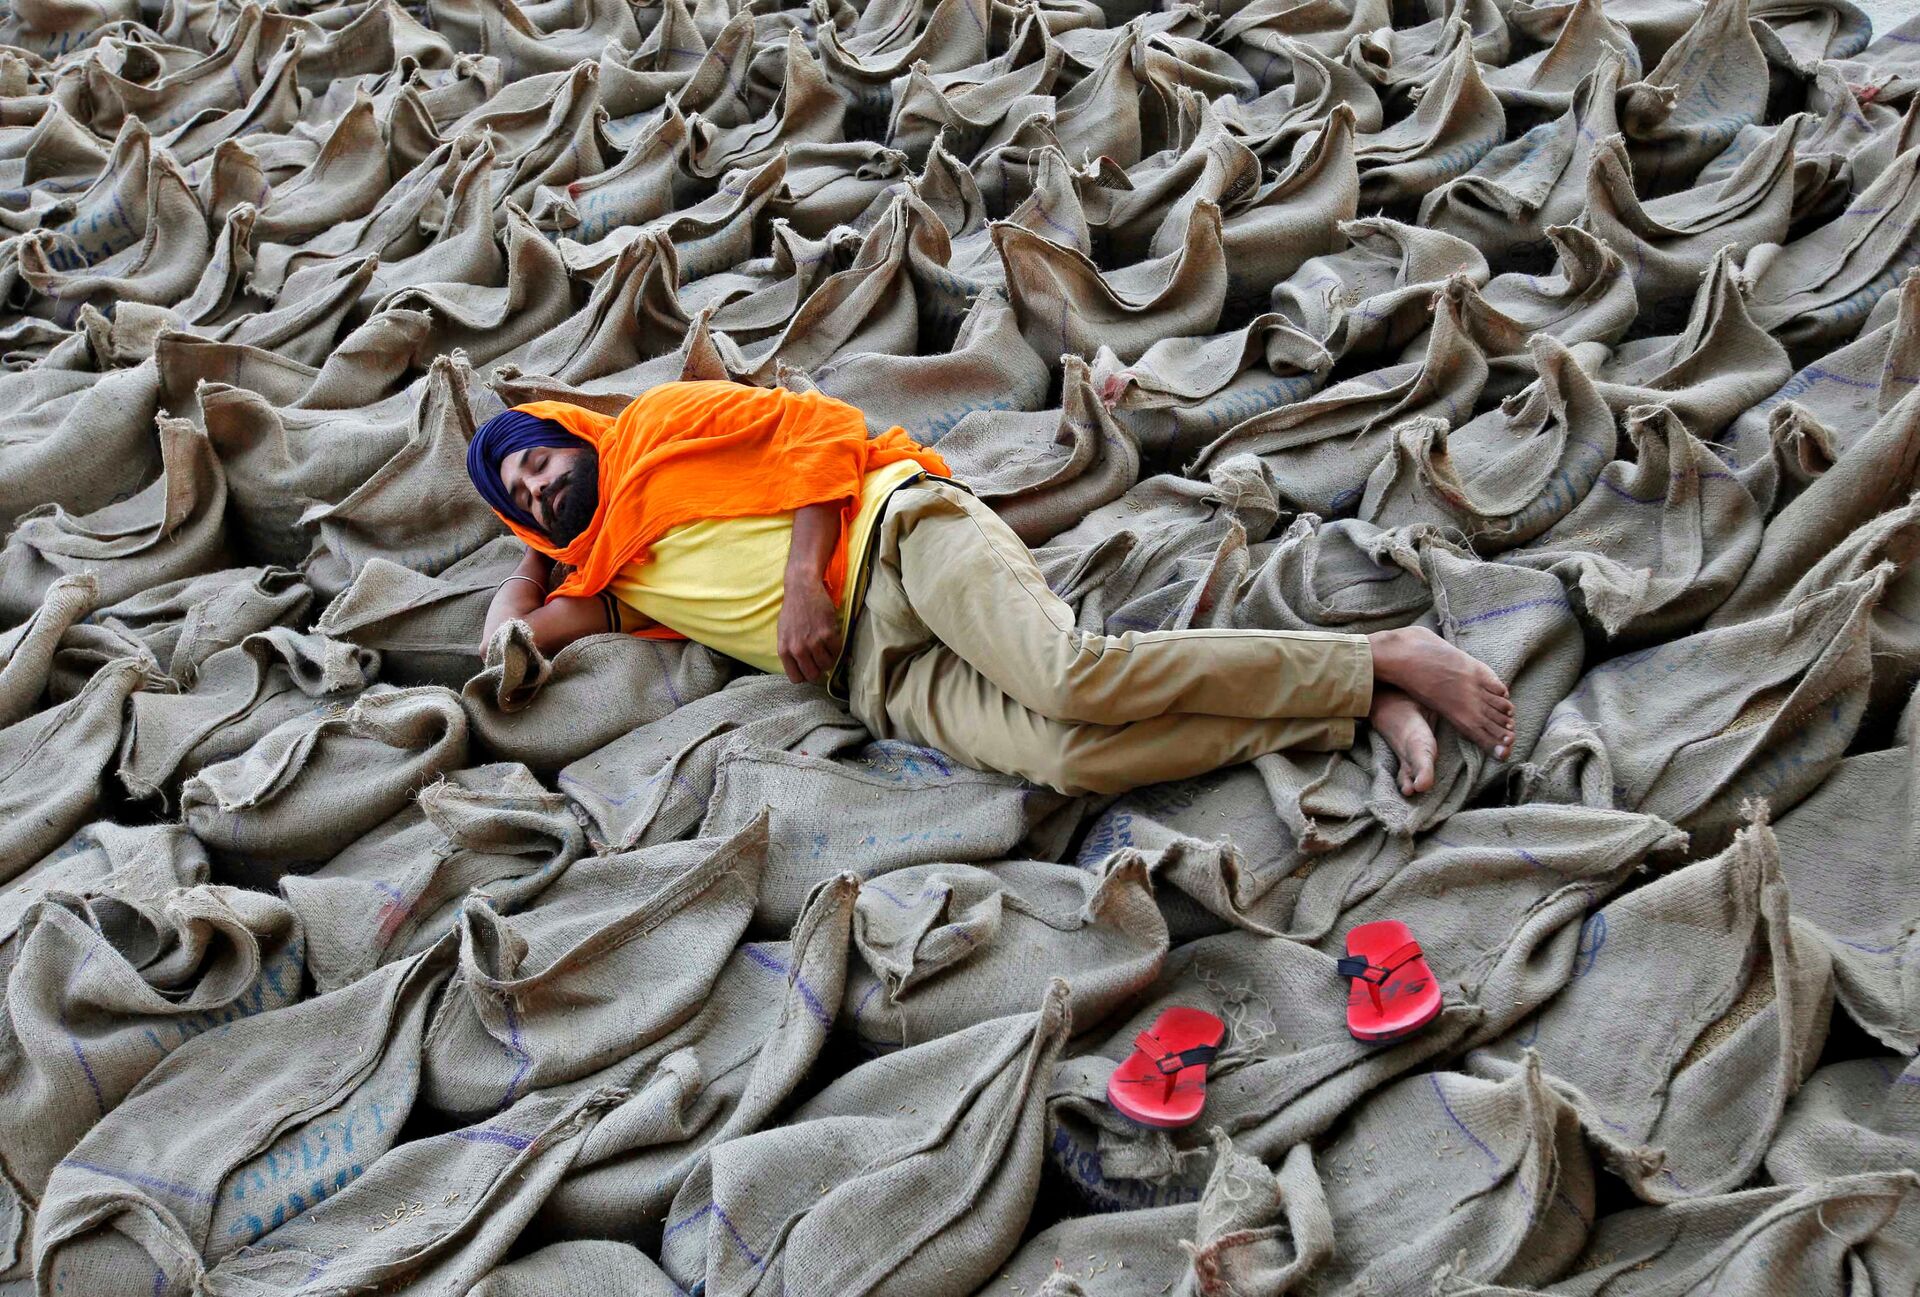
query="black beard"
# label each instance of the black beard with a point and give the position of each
(569, 503)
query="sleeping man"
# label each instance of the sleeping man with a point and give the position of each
(767, 525)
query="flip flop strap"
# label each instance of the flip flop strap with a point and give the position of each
(1358, 965)
(1169, 1061)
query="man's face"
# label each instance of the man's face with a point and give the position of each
(535, 478)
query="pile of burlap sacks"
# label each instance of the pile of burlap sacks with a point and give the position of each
(339, 959)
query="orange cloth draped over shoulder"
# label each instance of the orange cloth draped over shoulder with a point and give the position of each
(691, 451)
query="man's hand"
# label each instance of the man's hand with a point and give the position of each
(809, 633)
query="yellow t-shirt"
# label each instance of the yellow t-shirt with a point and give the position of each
(720, 582)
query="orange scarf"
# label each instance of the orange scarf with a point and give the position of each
(687, 452)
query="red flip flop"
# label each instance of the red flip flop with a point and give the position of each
(1164, 1081)
(1394, 992)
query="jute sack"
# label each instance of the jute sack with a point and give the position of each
(185, 622)
(1818, 289)
(75, 439)
(589, 1268)
(27, 651)
(988, 367)
(1709, 373)
(1375, 293)
(1547, 81)
(1323, 449)
(239, 695)
(1043, 472)
(487, 320)
(517, 1019)
(314, 784)
(1696, 1008)
(890, 807)
(549, 713)
(654, 784)
(425, 628)
(903, 1170)
(1780, 1239)
(1253, 1232)
(946, 947)
(1761, 709)
(418, 508)
(1503, 1161)
(399, 889)
(443, 1241)
(52, 764)
(103, 859)
(1832, 852)
(1455, 123)
(1658, 541)
(1507, 476)
(726, 1072)
(172, 528)
(1288, 1069)
(234, 1134)
(1705, 86)
(104, 987)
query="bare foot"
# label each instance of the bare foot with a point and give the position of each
(1453, 683)
(1403, 723)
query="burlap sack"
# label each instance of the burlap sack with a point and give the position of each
(1704, 87)
(1456, 122)
(914, 1173)
(1043, 472)
(916, 807)
(1696, 1009)
(1761, 709)
(1659, 541)
(989, 367)
(315, 783)
(1252, 1231)
(947, 947)
(238, 696)
(105, 987)
(52, 763)
(185, 622)
(1322, 449)
(515, 1019)
(550, 713)
(173, 528)
(726, 1072)
(590, 1268)
(398, 890)
(1375, 294)
(1831, 849)
(1507, 476)
(78, 440)
(162, 267)
(27, 651)
(233, 1135)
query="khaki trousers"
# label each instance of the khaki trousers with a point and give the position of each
(959, 645)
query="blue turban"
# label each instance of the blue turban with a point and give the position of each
(500, 437)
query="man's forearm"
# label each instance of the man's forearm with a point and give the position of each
(519, 594)
(816, 535)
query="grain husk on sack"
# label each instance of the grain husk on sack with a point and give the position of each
(315, 783)
(398, 890)
(1698, 1005)
(913, 1173)
(233, 1134)
(103, 987)
(947, 947)
(915, 807)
